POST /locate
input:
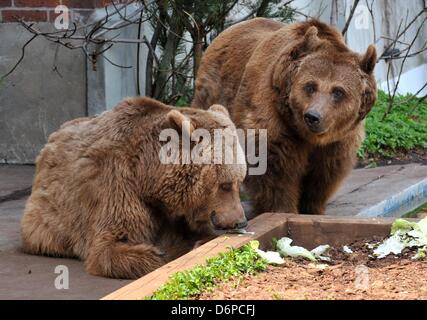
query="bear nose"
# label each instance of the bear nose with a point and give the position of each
(241, 224)
(312, 118)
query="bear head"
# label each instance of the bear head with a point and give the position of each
(326, 88)
(202, 183)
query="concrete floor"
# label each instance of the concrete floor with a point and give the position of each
(15, 181)
(24, 276)
(367, 187)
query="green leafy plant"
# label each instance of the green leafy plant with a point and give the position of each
(233, 263)
(404, 129)
(183, 102)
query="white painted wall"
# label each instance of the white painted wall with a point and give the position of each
(121, 82)
(411, 81)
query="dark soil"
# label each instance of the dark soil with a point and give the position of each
(347, 276)
(400, 157)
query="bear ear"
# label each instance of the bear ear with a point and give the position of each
(180, 122)
(219, 109)
(287, 64)
(309, 43)
(369, 59)
(311, 39)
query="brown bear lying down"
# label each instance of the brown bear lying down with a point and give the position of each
(308, 89)
(102, 194)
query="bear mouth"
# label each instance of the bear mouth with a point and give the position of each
(317, 130)
(222, 231)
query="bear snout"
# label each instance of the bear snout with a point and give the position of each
(242, 224)
(313, 120)
(227, 221)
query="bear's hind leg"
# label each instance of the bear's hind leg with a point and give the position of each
(115, 259)
(39, 236)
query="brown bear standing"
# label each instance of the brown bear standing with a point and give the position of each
(308, 89)
(102, 194)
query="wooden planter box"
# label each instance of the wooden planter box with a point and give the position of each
(306, 230)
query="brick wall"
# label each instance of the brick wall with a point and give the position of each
(43, 10)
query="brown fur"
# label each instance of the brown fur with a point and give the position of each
(101, 194)
(260, 70)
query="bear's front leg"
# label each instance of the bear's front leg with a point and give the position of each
(272, 194)
(278, 190)
(111, 258)
(328, 167)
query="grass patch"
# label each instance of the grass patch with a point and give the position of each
(404, 129)
(414, 213)
(233, 263)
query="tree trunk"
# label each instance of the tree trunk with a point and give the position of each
(198, 41)
(150, 60)
(168, 55)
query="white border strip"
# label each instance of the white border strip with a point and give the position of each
(400, 203)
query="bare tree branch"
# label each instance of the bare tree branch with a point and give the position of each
(402, 32)
(396, 85)
(371, 13)
(350, 17)
(20, 58)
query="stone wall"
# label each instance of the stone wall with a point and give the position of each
(47, 89)
(53, 84)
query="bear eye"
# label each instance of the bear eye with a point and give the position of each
(226, 186)
(310, 88)
(338, 93)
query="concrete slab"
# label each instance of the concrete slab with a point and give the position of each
(368, 187)
(15, 181)
(24, 276)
